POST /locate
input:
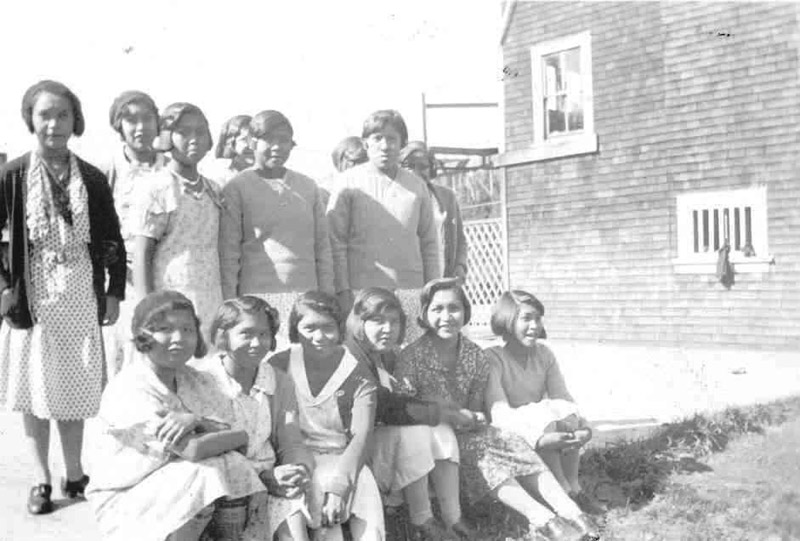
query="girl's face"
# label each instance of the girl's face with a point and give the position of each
(139, 126)
(250, 339)
(383, 148)
(419, 164)
(190, 139)
(241, 143)
(273, 150)
(53, 121)
(527, 326)
(318, 332)
(382, 331)
(174, 339)
(445, 314)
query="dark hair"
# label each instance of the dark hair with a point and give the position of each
(370, 303)
(229, 314)
(350, 149)
(268, 121)
(385, 117)
(432, 288)
(418, 146)
(230, 130)
(119, 107)
(172, 115)
(59, 89)
(152, 309)
(315, 301)
(506, 310)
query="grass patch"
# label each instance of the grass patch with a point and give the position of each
(629, 475)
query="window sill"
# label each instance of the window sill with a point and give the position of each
(743, 265)
(560, 147)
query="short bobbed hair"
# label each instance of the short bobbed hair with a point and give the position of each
(170, 118)
(431, 289)
(319, 302)
(119, 107)
(414, 147)
(350, 149)
(371, 303)
(230, 131)
(230, 313)
(267, 122)
(153, 309)
(59, 89)
(506, 310)
(378, 120)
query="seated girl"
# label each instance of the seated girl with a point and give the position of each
(336, 402)
(160, 465)
(530, 396)
(413, 438)
(262, 402)
(443, 364)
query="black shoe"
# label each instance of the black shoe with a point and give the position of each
(39, 502)
(74, 489)
(586, 526)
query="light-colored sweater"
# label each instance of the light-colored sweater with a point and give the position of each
(273, 236)
(382, 230)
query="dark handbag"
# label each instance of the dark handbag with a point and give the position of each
(13, 308)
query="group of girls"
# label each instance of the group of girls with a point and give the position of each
(231, 445)
(312, 441)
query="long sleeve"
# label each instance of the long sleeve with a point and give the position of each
(461, 241)
(230, 241)
(117, 268)
(322, 246)
(428, 240)
(352, 459)
(338, 214)
(402, 410)
(286, 435)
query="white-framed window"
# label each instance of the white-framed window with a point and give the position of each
(706, 221)
(563, 104)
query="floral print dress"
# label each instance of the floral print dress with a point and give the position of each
(489, 455)
(185, 225)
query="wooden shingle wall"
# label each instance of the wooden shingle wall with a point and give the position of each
(687, 96)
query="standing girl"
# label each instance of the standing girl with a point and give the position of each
(530, 396)
(262, 402)
(443, 363)
(63, 237)
(176, 221)
(161, 461)
(413, 438)
(134, 116)
(336, 399)
(273, 234)
(233, 153)
(381, 219)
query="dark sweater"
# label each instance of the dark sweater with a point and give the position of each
(106, 248)
(394, 409)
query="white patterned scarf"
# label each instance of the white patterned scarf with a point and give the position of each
(40, 207)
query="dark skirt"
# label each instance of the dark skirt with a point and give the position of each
(490, 456)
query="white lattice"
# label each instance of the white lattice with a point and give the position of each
(486, 259)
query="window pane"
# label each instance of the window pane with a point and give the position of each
(575, 115)
(556, 114)
(552, 75)
(572, 68)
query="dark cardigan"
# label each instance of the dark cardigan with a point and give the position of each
(106, 248)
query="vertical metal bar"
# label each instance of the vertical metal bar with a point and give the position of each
(424, 120)
(705, 230)
(504, 228)
(737, 231)
(716, 229)
(696, 231)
